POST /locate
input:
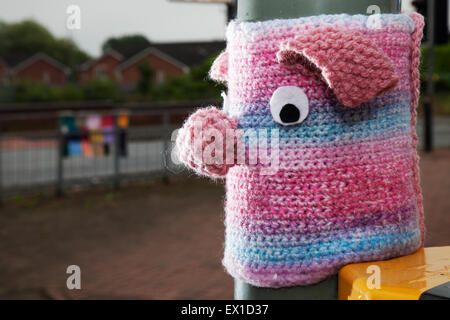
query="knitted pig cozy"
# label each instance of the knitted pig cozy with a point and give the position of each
(342, 94)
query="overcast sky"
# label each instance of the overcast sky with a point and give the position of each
(159, 20)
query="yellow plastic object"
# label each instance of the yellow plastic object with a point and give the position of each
(404, 278)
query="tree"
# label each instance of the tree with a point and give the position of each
(21, 40)
(145, 78)
(194, 86)
(127, 45)
(101, 89)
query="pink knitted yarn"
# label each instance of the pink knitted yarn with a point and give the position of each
(219, 69)
(354, 67)
(416, 39)
(193, 139)
(346, 185)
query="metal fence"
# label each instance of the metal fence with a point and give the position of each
(34, 142)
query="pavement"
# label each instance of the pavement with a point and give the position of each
(147, 241)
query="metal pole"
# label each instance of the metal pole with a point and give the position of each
(166, 137)
(116, 153)
(231, 10)
(428, 102)
(258, 10)
(59, 160)
(1, 167)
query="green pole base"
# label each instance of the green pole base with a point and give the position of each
(259, 10)
(325, 290)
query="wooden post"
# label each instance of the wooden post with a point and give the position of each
(258, 10)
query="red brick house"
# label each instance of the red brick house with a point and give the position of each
(103, 67)
(41, 68)
(191, 53)
(166, 60)
(163, 66)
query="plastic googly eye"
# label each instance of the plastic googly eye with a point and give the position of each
(289, 105)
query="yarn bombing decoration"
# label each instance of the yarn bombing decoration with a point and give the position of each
(343, 58)
(342, 96)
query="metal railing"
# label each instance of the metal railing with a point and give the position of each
(33, 146)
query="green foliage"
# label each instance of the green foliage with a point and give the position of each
(441, 73)
(441, 78)
(101, 89)
(28, 91)
(127, 45)
(441, 58)
(20, 40)
(442, 103)
(68, 92)
(145, 78)
(194, 86)
(6, 94)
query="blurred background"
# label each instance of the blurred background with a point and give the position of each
(90, 93)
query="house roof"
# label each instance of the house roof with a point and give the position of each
(15, 59)
(108, 52)
(152, 50)
(41, 56)
(181, 54)
(190, 53)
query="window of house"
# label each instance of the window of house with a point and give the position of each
(101, 72)
(46, 77)
(160, 77)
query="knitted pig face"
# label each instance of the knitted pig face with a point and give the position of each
(341, 97)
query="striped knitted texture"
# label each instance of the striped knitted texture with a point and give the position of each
(347, 187)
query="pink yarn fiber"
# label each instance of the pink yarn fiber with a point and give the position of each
(354, 67)
(194, 137)
(345, 188)
(219, 69)
(416, 39)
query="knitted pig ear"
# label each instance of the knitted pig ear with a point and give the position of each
(219, 68)
(355, 68)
